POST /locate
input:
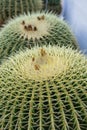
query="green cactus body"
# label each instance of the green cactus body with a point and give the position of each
(35, 29)
(11, 8)
(55, 5)
(44, 89)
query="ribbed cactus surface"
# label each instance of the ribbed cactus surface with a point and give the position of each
(35, 29)
(44, 89)
(55, 5)
(11, 8)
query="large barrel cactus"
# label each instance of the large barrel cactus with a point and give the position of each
(11, 8)
(44, 88)
(35, 29)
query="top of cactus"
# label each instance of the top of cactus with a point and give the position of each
(44, 63)
(33, 26)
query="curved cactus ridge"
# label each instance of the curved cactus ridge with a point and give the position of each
(35, 29)
(44, 88)
(11, 8)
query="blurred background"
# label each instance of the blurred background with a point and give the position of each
(74, 12)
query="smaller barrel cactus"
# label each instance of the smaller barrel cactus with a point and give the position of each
(44, 89)
(35, 29)
(11, 8)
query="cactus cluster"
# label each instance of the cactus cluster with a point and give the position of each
(11, 8)
(43, 76)
(44, 89)
(35, 29)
